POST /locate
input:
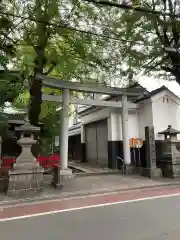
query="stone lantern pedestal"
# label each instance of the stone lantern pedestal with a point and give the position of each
(26, 177)
(170, 158)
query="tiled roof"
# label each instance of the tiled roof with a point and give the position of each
(169, 131)
(75, 126)
(150, 94)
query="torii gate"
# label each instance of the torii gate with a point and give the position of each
(65, 99)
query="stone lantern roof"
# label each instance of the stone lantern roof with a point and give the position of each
(27, 127)
(171, 132)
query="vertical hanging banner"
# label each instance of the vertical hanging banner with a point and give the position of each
(132, 142)
(135, 143)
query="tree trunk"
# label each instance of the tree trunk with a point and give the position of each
(35, 101)
(40, 61)
(178, 78)
(175, 66)
(176, 70)
(36, 88)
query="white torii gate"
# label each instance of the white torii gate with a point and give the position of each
(65, 99)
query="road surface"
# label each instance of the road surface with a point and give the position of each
(136, 215)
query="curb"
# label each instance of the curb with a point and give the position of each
(76, 194)
(114, 190)
(95, 174)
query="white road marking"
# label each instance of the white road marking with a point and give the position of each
(87, 207)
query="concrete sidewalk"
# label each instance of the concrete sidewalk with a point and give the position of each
(110, 183)
(82, 186)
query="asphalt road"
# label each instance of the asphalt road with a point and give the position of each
(143, 220)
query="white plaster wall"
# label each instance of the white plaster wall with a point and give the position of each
(96, 115)
(133, 125)
(165, 112)
(114, 126)
(160, 111)
(145, 117)
(178, 120)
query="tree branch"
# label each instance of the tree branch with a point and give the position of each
(130, 7)
(173, 23)
(167, 69)
(165, 26)
(154, 21)
(72, 10)
(50, 69)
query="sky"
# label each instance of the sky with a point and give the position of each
(151, 84)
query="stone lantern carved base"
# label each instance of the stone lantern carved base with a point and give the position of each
(170, 159)
(26, 177)
(25, 184)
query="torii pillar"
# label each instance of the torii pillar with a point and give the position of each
(64, 124)
(126, 147)
(63, 172)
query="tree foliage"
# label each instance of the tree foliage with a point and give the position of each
(10, 85)
(10, 82)
(144, 38)
(74, 40)
(49, 44)
(6, 42)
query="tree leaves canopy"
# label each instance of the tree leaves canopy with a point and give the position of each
(144, 38)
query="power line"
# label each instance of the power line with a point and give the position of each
(61, 26)
(130, 7)
(57, 25)
(74, 29)
(120, 40)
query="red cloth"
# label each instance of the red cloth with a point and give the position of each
(44, 162)
(49, 161)
(7, 162)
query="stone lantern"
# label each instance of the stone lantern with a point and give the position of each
(26, 177)
(170, 156)
(170, 133)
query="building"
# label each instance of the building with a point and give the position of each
(98, 138)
